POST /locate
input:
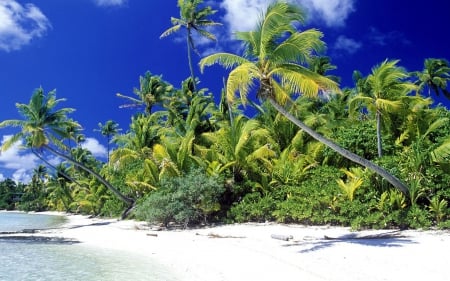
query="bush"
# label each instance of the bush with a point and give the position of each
(185, 200)
(253, 207)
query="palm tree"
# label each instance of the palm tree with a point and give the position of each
(274, 54)
(192, 18)
(384, 89)
(435, 75)
(109, 129)
(44, 126)
(321, 65)
(152, 91)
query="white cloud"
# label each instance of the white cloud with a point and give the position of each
(20, 163)
(109, 3)
(242, 15)
(13, 158)
(22, 175)
(332, 12)
(94, 147)
(20, 24)
(346, 44)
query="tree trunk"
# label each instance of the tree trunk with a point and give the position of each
(189, 51)
(54, 168)
(379, 145)
(342, 151)
(123, 198)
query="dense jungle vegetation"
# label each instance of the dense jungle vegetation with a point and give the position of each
(376, 155)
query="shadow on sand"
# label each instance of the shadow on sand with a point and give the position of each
(311, 245)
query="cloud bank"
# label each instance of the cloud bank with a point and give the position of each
(242, 15)
(20, 163)
(20, 24)
(95, 147)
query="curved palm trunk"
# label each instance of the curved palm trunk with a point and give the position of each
(54, 168)
(379, 145)
(130, 202)
(342, 151)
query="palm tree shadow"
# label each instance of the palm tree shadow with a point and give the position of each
(91, 224)
(320, 244)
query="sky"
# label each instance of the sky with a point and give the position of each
(90, 50)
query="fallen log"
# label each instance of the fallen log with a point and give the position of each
(214, 235)
(281, 237)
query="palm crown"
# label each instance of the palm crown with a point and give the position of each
(275, 54)
(42, 122)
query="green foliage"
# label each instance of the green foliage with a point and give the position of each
(438, 208)
(313, 202)
(253, 207)
(10, 194)
(188, 199)
(353, 182)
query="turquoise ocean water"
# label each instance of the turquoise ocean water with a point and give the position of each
(39, 260)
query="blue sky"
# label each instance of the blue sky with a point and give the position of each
(89, 50)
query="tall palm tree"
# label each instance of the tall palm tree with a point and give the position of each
(274, 56)
(44, 126)
(109, 130)
(435, 75)
(385, 88)
(192, 18)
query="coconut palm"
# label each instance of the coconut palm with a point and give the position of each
(274, 56)
(435, 75)
(193, 18)
(43, 128)
(109, 130)
(152, 91)
(385, 88)
(243, 146)
(321, 65)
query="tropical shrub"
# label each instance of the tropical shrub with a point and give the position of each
(253, 207)
(186, 200)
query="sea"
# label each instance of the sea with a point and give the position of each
(43, 260)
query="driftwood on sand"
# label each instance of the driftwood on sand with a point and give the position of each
(214, 235)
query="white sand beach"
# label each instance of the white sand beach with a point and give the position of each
(249, 252)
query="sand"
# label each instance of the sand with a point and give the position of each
(256, 252)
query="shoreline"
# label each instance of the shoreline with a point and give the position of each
(268, 251)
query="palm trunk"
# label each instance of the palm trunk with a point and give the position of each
(342, 151)
(123, 198)
(379, 145)
(191, 68)
(54, 168)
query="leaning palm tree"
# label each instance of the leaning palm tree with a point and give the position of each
(275, 54)
(43, 128)
(192, 18)
(385, 88)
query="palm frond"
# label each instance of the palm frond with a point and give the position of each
(240, 80)
(299, 47)
(226, 60)
(170, 30)
(442, 152)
